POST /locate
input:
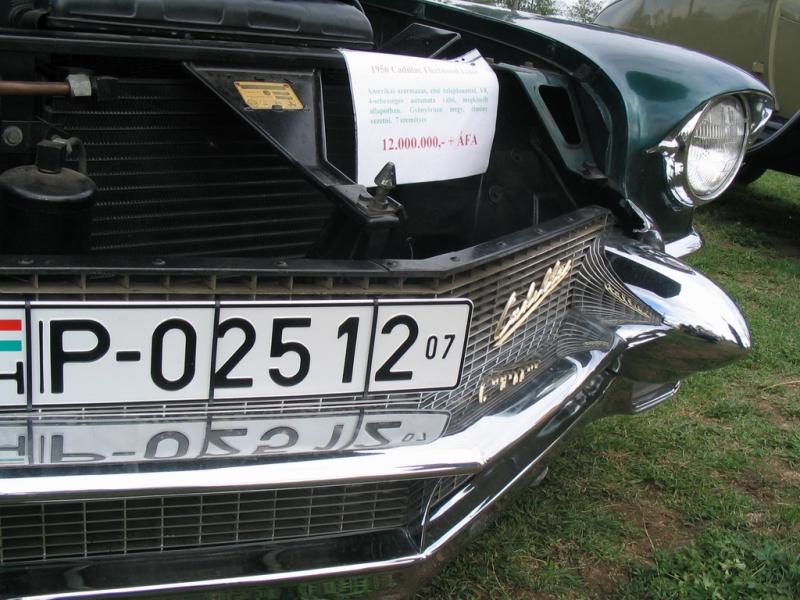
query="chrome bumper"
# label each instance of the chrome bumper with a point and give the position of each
(640, 367)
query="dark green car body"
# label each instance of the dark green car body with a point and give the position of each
(642, 90)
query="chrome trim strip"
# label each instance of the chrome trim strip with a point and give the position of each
(651, 400)
(251, 580)
(685, 245)
(464, 452)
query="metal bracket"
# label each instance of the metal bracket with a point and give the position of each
(421, 40)
(299, 135)
(21, 137)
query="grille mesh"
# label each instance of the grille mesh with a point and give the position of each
(46, 531)
(591, 289)
(179, 174)
(490, 290)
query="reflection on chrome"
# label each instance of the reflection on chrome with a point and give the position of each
(626, 300)
(702, 327)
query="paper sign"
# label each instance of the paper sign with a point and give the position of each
(434, 119)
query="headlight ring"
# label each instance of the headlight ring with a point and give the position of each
(703, 157)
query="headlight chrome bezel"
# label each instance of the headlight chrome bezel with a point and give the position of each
(757, 108)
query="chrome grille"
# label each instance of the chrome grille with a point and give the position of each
(445, 487)
(601, 295)
(490, 292)
(575, 317)
(548, 333)
(49, 531)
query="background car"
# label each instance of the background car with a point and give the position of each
(762, 37)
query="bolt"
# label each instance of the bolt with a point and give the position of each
(159, 262)
(12, 136)
(496, 194)
(26, 261)
(281, 264)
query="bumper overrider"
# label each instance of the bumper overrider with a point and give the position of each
(636, 321)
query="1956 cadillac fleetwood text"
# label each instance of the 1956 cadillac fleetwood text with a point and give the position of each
(292, 293)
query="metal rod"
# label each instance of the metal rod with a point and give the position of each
(160, 48)
(34, 88)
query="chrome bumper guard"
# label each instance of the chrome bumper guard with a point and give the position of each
(640, 367)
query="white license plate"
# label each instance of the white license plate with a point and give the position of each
(116, 442)
(93, 353)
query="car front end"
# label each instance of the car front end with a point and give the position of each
(235, 368)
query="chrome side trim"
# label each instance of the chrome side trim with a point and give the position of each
(702, 326)
(685, 245)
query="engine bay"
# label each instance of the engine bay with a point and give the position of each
(151, 159)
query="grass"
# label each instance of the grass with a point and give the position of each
(700, 498)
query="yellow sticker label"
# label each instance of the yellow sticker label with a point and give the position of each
(268, 95)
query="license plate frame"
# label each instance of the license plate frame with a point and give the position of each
(73, 333)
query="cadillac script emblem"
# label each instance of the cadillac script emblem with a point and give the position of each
(514, 315)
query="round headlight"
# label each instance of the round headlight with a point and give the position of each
(716, 148)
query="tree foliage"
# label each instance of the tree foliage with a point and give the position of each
(539, 7)
(577, 10)
(584, 11)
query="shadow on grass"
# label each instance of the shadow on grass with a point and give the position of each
(769, 208)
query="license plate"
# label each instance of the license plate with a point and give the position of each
(118, 442)
(97, 353)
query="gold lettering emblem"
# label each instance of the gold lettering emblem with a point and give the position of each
(511, 320)
(507, 378)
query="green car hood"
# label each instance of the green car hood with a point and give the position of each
(660, 84)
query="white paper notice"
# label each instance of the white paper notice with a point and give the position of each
(434, 119)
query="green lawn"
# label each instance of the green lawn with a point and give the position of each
(699, 498)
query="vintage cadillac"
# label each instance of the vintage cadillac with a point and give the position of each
(226, 364)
